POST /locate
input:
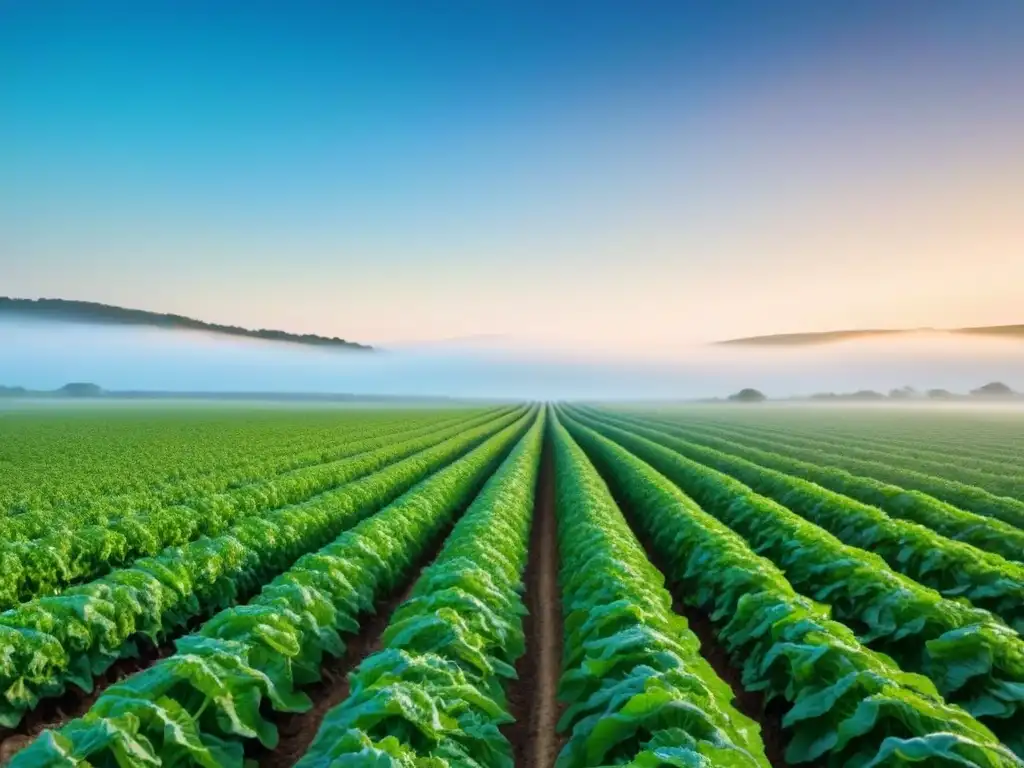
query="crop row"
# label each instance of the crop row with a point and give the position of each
(959, 493)
(436, 689)
(50, 642)
(201, 705)
(886, 432)
(986, 533)
(54, 460)
(847, 705)
(975, 660)
(108, 510)
(637, 688)
(200, 474)
(953, 568)
(1001, 478)
(47, 565)
(869, 663)
(303, 455)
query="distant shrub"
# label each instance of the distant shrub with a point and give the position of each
(748, 395)
(866, 394)
(80, 389)
(994, 389)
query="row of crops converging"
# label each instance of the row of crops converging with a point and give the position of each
(526, 585)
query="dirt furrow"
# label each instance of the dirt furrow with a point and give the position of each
(532, 699)
(751, 704)
(298, 730)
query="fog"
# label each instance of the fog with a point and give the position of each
(41, 355)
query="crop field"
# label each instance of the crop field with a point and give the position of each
(511, 585)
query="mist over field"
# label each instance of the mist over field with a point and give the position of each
(42, 355)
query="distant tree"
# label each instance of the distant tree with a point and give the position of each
(904, 393)
(824, 396)
(940, 394)
(748, 395)
(80, 389)
(866, 394)
(994, 389)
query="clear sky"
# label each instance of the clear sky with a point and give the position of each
(598, 175)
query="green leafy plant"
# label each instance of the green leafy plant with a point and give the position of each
(999, 477)
(92, 473)
(975, 660)
(434, 693)
(848, 706)
(202, 704)
(73, 552)
(955, 569)
(634, 680)
(986, 533)
(51, 642)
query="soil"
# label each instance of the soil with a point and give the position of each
(297, 731)
(532, 698)
(750, 703)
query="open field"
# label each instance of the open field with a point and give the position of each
(502, 585)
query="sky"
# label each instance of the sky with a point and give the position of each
(595, 177)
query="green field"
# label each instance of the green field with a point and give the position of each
(499, 585)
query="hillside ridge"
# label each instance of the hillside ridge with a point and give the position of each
(69, 310)
(828, 337)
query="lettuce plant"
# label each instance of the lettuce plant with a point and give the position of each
(974, 659)
(637, 688)
(953, 568)
(51, 642)
(986, 533)
(73, 553)
(848, 705)
(199, 706)
(435, 692)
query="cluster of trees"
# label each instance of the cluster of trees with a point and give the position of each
(71, 389)
(995, 389)
(748, 396)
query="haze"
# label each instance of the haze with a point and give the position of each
(48, 355)
(514, 198)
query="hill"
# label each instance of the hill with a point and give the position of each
(831, 337)
(64, 310)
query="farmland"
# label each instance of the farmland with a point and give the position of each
(511, 585)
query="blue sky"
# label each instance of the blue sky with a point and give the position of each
(588, 176)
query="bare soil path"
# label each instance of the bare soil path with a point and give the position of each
(298, 730)
(749, 703)
(532, 699)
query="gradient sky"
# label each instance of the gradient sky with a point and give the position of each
(587, 176)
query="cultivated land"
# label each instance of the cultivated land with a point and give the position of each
(506, 585)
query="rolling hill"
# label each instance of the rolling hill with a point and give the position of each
(64, 310)
(832, 337)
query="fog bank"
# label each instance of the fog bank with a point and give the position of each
(41, 355)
